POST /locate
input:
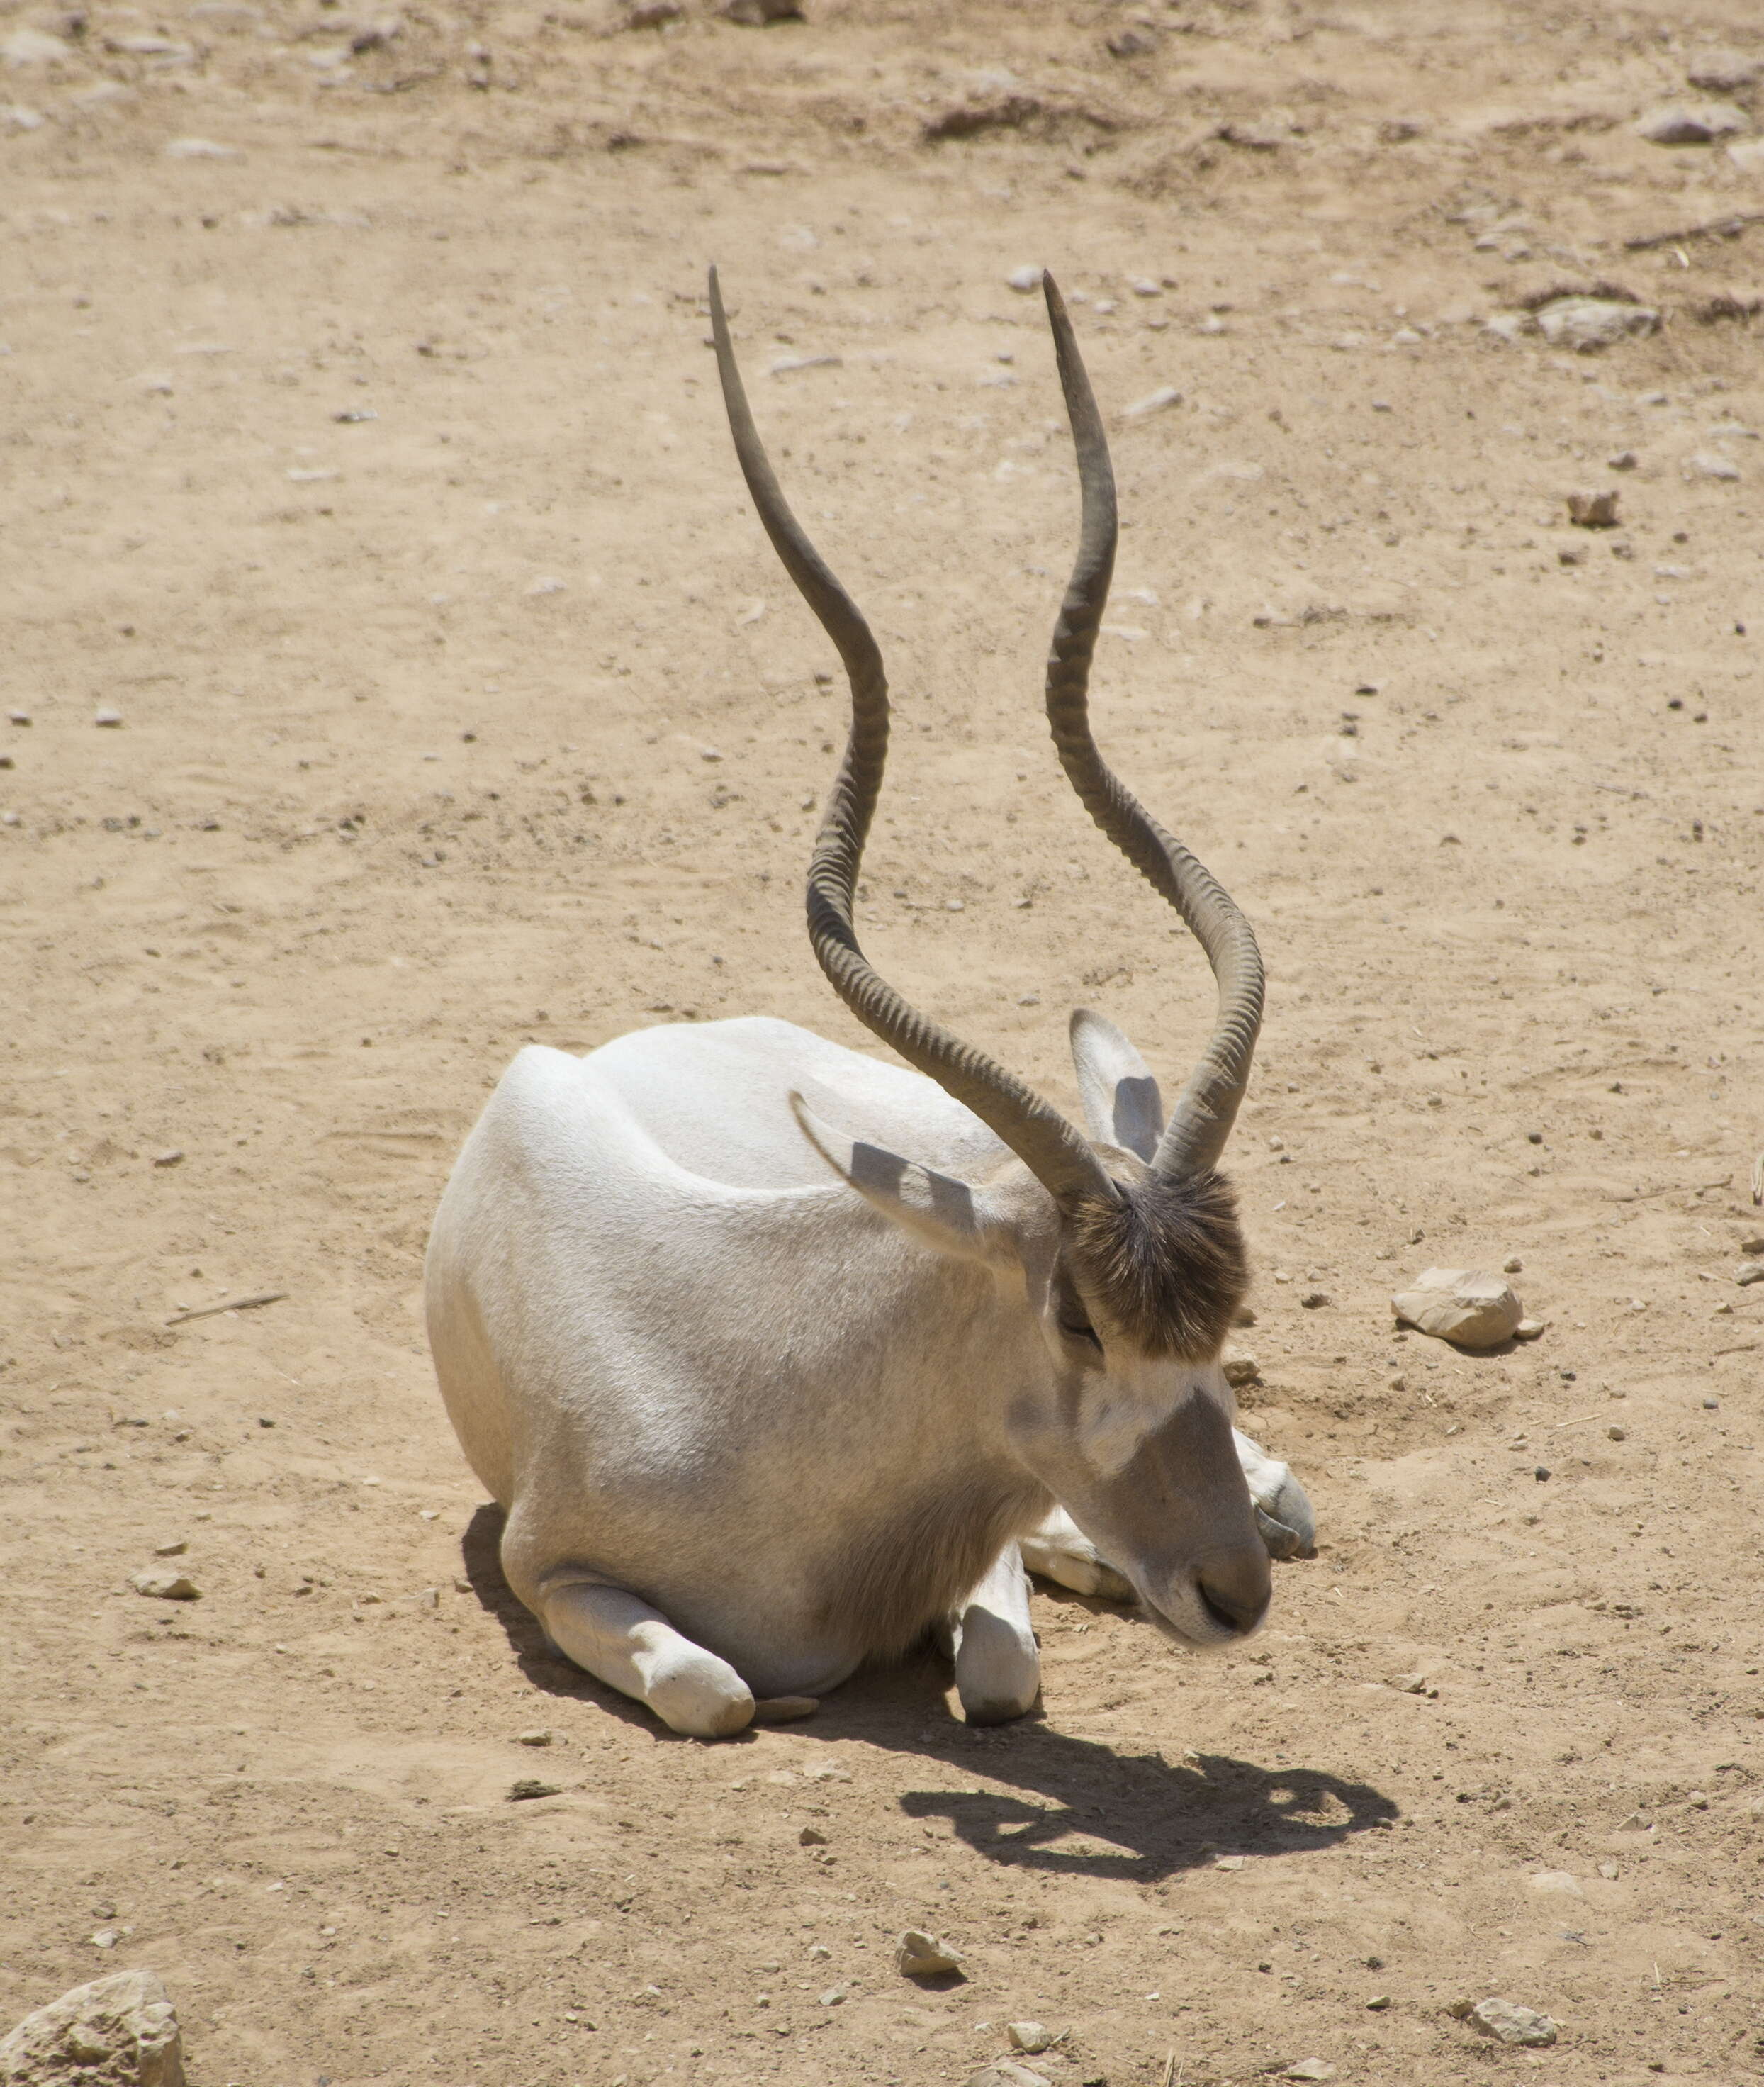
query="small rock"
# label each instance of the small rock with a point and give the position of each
(1462, 1305)
(1154, 401)
(1266, 135)
(529, 1786)
(18, 717)
(124, 2025)
(1588, 324)
(1507, 2022)
(1512, 1264)
(1006, 2073)
(1624, 460)
(1564, 1883)
(1401, 129)
(1414, 1684)
(539, 1737)
(1725, 72)
(1314, 1300)
(14, 116)
(165, 1586)
(108, 719)
(654, 14)
(918, 1955)
(1594, 510)
(1616, 1434)
(1309, 2068)
(1755, 1245)
(833, 1997)
(1240, 1369)
(33, 47)
(1029, 2036)
(1694, 123)
(1024, 279)
(1749, 1272)
(1710, 463)
(199, 148)
(1529, 1329)
(173, 1158)
(755, 14)
(811, 1837)
(1378, 2004)
(175, 1549)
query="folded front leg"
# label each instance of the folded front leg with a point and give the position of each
(1283, 1515)
(623, 1641)
(1059, 1549)
(998, 1667)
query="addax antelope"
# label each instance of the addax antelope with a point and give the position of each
(779, 1356)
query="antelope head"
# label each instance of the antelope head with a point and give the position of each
(1124, 1238)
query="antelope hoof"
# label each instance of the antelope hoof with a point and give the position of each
(700, 1696)
(1060, 1551)
(1283, 1516)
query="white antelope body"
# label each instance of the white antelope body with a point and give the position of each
(778, 1355)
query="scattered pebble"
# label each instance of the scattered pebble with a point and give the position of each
(120, 2028)
(1725, 71)
(164, 1586)
(1507, 2022)
(1314, 1300)
(1616, 1434)
(1755, 1245)
(756, 13)
(175, 1549)
(199, 148)
(1154, 401)
(1241, 1368)
(811, 1837)
(1378, 2004)
(1563, 1883)
(529, 1786)
(1588, 324)
(1006, 2073)
(1024, 279)
(18, 717)
(539, 1737)
(1694, 123)
(1029, 2036)
(1749, 1272)
(1309, 2068)
(1709, 464)
(784, 1709)
(1594, 510)
(1624, 460)
(833, 1997)
(172, 1158)
(917, 1955)
(107, 719)
(1462, 1305)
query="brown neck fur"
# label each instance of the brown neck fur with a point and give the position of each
(1166, 1263)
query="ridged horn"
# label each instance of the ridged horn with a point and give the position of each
(1201, 1120)
(1059, 1156)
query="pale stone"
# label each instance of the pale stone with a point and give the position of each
(1006, 2073)
(1587, 324)
(1507, 2022)
(1029, 2036)
(1465, 1306)
(1694, 123)
(1709, 464)
(1024, 279)
(124, 2024)
(34, 47)
(165, 1586)
(921, 1955)
(1563, 1883)
(1725, 71)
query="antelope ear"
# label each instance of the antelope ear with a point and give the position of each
(947, 1214)
(1122, 1104)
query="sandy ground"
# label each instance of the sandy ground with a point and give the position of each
(364, 456)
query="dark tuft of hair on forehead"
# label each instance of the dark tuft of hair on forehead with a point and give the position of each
(1165, 1261)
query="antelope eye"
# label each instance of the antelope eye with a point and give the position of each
(1081, 1329)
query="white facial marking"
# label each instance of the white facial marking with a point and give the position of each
(1133, 1400)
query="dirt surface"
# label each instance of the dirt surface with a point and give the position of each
(362, 453)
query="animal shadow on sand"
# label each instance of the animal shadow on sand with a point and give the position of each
(1088, 1808)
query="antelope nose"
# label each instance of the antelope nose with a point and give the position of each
(1235, 1586)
